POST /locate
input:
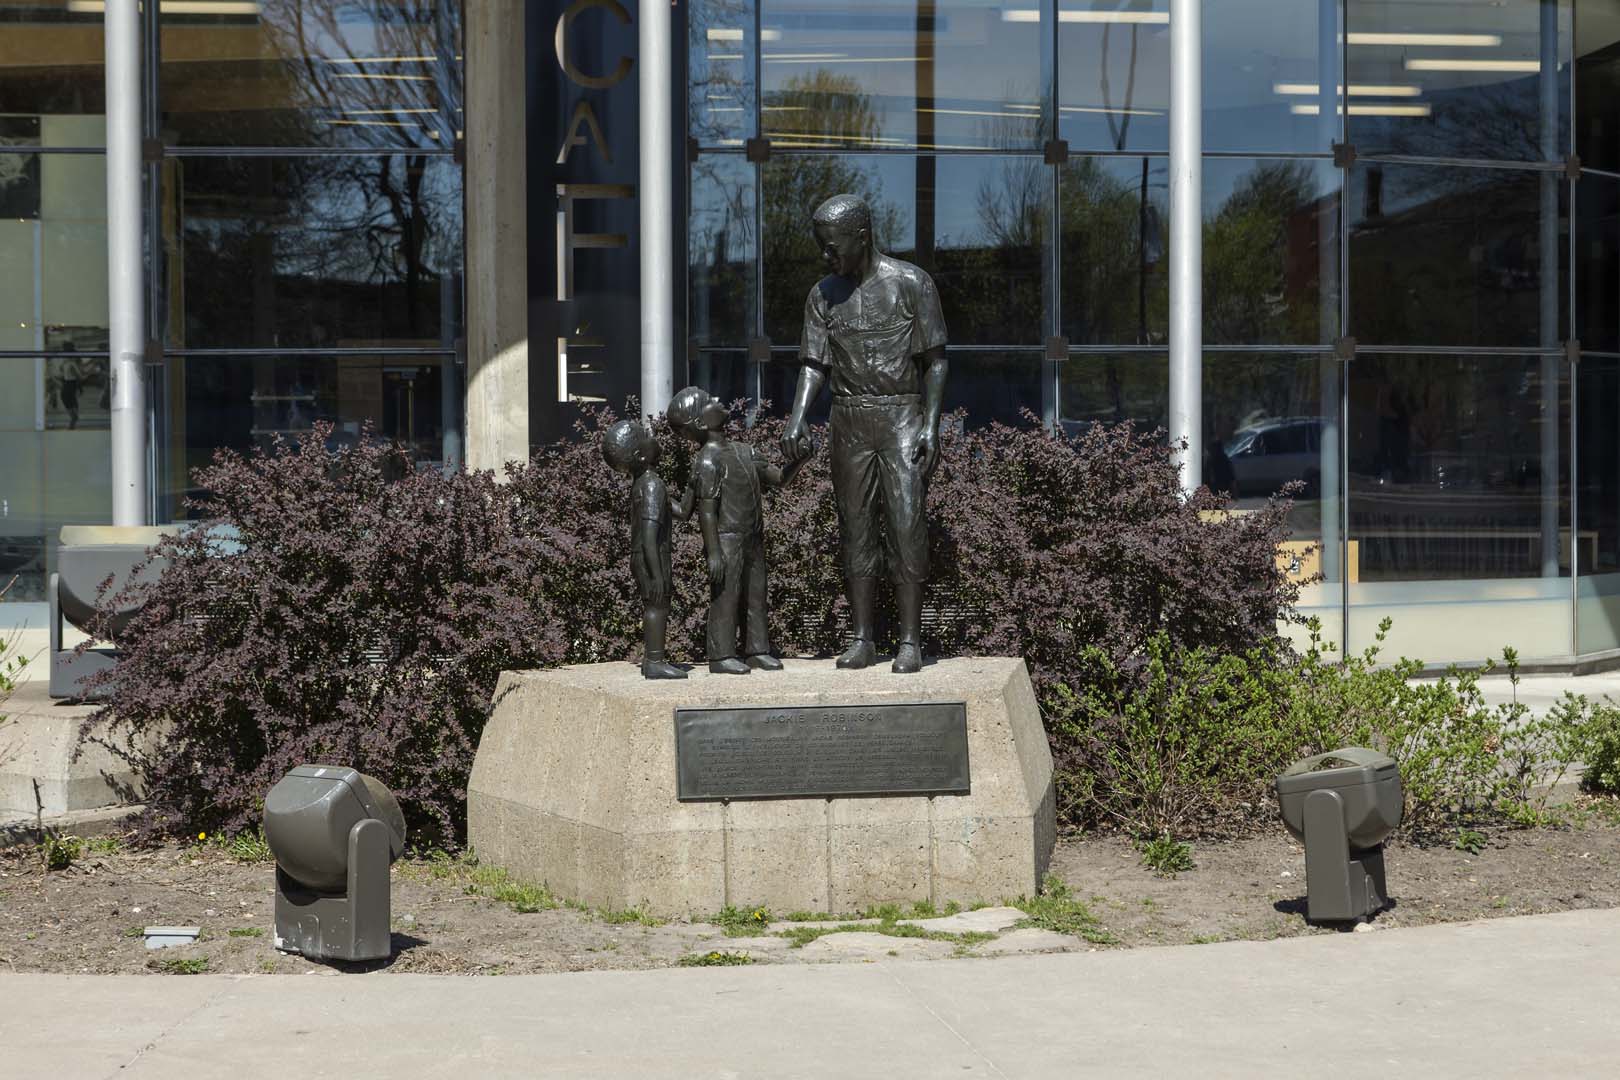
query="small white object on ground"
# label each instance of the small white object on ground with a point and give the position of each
(166, 937)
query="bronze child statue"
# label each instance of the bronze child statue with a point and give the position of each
(727, 483)
(629, 447)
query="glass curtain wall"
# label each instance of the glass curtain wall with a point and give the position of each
(307, 215)
(304, 216)
(54, 417)
(1409, 280)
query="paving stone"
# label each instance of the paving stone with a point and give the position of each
(990, 920)
(860, 945)
(1028, 940)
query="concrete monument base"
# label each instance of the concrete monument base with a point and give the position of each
(574, 783)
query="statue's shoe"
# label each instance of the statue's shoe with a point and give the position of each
(764, 662)
(859, 655)
(729, 666)
(908, 660)
(658, 669)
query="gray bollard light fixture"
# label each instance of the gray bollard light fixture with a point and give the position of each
(1343, 805)
(334, 833)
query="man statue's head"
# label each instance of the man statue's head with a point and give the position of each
(843, 228)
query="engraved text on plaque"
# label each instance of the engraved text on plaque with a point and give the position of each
(821, 750)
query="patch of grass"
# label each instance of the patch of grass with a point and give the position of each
(741, 922)
(135, 931)
(60, 852)
(103, 845)
(621, 917)
(1204, 939)
(1166, 857)
(1060, 910)
(1471, 841)
(249, 847)
(715, 958)
(183, 965)
(246, 931)
(496, 884)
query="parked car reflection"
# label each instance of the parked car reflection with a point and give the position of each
(1264, 457)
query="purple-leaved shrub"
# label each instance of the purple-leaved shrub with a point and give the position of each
(340, 605)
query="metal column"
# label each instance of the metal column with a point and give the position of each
(657, 213)
(1186, 239)
(126, 301)
(1551, 330)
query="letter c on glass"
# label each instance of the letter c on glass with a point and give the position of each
(596, 82)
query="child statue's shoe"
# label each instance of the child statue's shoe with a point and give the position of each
(659, 669)
(729, 666)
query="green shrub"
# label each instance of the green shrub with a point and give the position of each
(1185, 744)
(1599, 749)
(1462, 759)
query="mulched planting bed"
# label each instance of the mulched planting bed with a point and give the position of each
(451, 917)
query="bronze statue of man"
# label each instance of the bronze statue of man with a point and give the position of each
(873, 329)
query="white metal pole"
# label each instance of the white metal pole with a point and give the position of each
(126, 319)
(1186, 239)
(657, 216)
(1551, 332)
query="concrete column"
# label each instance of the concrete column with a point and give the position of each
(1187, 239)
(497, 236)
(126, 264)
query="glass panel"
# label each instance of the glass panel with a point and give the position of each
(313, 73)
(720, 245)
(722, 372)
(794, 186)
(1271, 241)
(1597, 547)
(1459, 504)
(988, 218)
(721, 70)
(51, 72)
(1114, 74)
(1104, 389)
(995, 387)
(53, 252)
(241, 403)
(1455, 256)
(1262, 87)
(900, 73)
(1597, 83)
(1115, 217)
(1460, 78)
(1597, 262)
(52, 477)
(318, 251)
(1271, 420)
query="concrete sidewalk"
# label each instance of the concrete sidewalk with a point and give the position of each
(1507, 997)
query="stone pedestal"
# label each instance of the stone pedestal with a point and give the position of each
(574, 788)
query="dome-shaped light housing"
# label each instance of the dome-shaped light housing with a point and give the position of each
(334, 833)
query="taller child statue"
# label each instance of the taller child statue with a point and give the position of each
(874, 330)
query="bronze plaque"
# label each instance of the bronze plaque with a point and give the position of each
(821, 751)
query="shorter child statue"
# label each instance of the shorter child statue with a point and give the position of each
(728, 479)
(629, 447)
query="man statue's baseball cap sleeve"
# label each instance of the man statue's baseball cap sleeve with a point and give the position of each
(813, 338)
(929, 331)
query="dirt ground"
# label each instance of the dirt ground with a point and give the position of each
(90, 916)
